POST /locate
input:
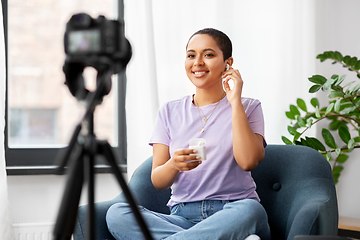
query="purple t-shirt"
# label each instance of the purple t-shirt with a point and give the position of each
(219, 177)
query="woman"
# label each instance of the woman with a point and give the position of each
(214, 198)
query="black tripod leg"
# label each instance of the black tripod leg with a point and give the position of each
(66, 218)
(64, 155)
(90, 225)
(106, 151)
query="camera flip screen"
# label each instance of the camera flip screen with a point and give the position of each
(84, 41)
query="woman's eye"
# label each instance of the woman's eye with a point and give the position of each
(190, 56)
(209, 55)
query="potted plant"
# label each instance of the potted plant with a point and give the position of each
(342, 112)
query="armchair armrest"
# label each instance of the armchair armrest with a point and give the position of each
(311, 212)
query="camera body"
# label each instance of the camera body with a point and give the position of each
(87, 36)
(99, 43)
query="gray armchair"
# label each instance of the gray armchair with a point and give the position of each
(295, 185)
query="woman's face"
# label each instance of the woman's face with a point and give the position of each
(204, 62)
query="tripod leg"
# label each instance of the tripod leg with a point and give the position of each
(90, 225)
(105, 149)
(64, 155)
(66, 218)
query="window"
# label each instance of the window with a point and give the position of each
(41, 114)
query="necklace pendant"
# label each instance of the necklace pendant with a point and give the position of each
(205, 119)
(202, 130)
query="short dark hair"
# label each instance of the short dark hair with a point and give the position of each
(221, 39)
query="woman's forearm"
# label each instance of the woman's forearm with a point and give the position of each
(163, 176)
(247, 146)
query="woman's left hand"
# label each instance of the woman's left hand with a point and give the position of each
(234, 94)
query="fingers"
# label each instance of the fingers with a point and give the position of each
(184, 161)
(226, 84)
(231, 73)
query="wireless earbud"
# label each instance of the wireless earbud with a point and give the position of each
(227, 67)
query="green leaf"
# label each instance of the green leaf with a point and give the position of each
(318, 79)
(357, 65)
(338, 169)
(314, 102)
(336, 173)
(329, 108)
(300, 121)
(334, 125)
(328, 156)
(348, 110)
(356, 88)
(301, 142)
(353, 61)
(337, 105)
(317, 112)
(301, 104)
(292, 130)
(322, 57)
(296, 136)
(338, 56)
(346, 105)
(336, 177)
(290, 115)
(342, 158)
(335, 94)
(309, 122)
(327, 85)
(286, 140)
(351, 144)
(294, 110)
(347, 60)
(340, 80)
(315, 144)
(344, 134)
(337, 152)
(314, 88)
(335, 77)
(328, 138)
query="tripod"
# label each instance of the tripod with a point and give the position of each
(81, 152)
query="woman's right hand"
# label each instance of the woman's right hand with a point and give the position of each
(183, 161)
(165, 169)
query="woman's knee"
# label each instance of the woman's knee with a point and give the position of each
(116, 213)
(251, 207)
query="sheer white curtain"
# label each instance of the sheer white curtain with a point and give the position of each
(274, 49)
(6, 231)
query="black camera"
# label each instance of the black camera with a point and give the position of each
(99, 43)
(85, 35)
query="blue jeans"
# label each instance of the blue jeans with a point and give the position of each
(209, 219)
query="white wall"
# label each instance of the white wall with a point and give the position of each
(36, 199)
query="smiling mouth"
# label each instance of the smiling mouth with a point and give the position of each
(200, 74)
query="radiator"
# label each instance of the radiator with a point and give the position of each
(33, 231)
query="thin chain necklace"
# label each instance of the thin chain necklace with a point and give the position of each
(205, 119)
